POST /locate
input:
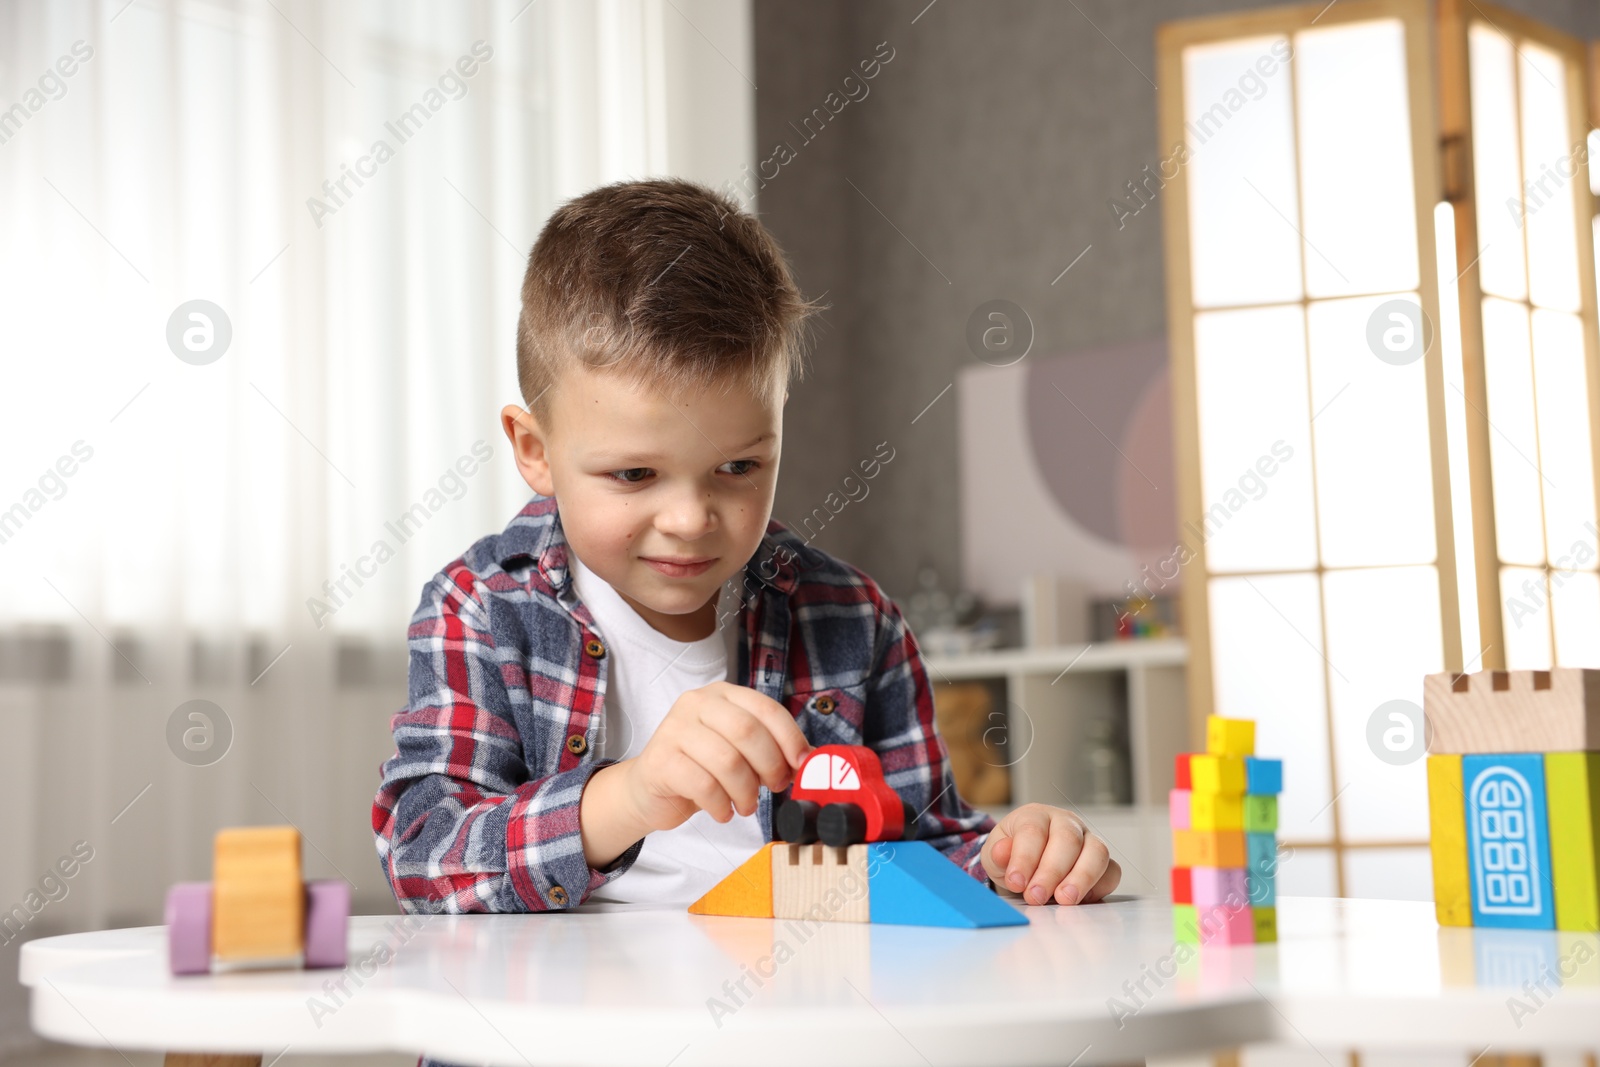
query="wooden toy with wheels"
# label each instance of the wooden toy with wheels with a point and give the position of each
(256, 913)
(840, 798)
(846, 852)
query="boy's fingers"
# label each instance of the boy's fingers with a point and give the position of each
(1062, 850)
(1106, 885)
(1091, 862)
(750, 736)
(735, 777)
(1028, 840)
(697, 785)
(1000, 854)
(785, 731)
(995, 853)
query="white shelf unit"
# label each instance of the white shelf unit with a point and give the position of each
(1053, 694)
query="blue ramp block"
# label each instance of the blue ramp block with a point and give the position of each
(910, 883)
(1508, 841)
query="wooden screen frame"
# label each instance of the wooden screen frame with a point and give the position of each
(1455, 114)
(1172, 38)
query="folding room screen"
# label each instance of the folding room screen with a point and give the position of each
(1381, 296)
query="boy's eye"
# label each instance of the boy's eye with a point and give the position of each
(745, 466)
(632, 475)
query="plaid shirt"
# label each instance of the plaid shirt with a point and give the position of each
(478, 808)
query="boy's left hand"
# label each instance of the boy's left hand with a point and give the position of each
(1042, 852)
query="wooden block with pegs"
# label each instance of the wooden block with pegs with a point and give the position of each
(1513, 711)
(817, 881)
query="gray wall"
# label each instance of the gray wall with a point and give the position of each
(992, 141)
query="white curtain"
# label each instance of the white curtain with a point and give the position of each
(353, 190)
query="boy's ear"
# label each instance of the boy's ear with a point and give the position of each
(527, 439)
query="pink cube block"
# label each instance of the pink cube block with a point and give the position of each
(1178, 808)
(1219, 885)
(1221, 924)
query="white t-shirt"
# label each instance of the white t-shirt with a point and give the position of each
(647, 672)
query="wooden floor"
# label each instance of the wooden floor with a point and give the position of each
(53, 1055)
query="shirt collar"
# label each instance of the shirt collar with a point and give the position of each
(534, 536)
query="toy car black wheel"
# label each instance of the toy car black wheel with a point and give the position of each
(909, 830)
(842, 824)
(797, 822)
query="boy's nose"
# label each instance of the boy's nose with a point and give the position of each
(687, 517)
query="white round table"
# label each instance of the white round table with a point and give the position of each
(625, 984)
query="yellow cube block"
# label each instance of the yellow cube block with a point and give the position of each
(1216, 774)
(1266, 924)
(1230, 737)
(257, 895)
(1216, 811)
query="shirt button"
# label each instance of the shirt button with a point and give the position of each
(558, 896)
(594, 648)
(825, 704)
(577, 744)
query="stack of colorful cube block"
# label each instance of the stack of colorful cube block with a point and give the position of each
(1225, 839)
(1514, 798)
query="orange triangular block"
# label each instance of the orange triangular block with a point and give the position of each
(747, 891)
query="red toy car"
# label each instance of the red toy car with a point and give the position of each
(840, 797)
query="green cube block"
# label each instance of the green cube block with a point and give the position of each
(1572, 788)
(1260, 814)
(1185, 924)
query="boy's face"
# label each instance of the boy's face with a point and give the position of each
(648, 482)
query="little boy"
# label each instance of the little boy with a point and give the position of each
(605, 697)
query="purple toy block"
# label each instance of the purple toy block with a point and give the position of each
(1219, 885)
(1178, 808)
(189, 928)
(327, 923)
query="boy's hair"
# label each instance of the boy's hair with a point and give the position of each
(666, 282)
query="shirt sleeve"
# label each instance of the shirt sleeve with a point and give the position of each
(900, 727)
(463, 820)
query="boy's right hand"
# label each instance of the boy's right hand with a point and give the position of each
(717, 745)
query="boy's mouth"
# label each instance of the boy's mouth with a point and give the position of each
(681, 566)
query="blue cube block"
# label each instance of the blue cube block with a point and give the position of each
(1261, 869)
(1263, 777)
(1508, 841)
